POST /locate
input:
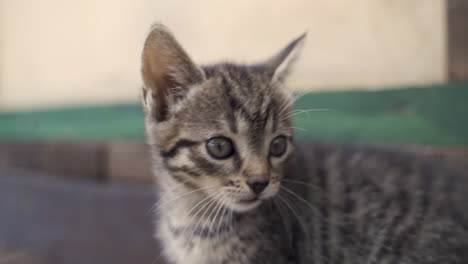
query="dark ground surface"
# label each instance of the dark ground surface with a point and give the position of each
(55, 220)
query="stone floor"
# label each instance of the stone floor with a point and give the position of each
(57, 220)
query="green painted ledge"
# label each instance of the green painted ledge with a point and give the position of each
(436, 115)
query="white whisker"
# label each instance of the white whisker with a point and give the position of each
(195, 206)
(183, 195)
(315, 209)
(216, 215)
(298, 112)
(221, 219)
(301, 221)
(302, 183)
(300, 95)
(201, 218)
(162, 198)
(283, 220)
(207, 205)
(287, 128)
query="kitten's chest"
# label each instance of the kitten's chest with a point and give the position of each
(186, 247)
(196, 249)
(244, 243)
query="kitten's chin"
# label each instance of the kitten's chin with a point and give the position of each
(245, 206)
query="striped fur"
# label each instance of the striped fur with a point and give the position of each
(323, 204)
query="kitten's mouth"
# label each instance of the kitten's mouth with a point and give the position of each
(245, 205)
(248, 201)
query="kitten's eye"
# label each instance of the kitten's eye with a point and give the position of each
(278, 146)
(220, 147)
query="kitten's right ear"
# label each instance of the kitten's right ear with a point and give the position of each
(167, 73)
(280, 65)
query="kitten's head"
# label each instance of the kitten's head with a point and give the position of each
(224, 128)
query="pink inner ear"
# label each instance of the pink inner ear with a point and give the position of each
(156, 77)
(161, 96)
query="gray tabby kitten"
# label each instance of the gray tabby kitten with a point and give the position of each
(236, 189)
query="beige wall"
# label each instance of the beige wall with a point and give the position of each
(62, 52)
(2, 41)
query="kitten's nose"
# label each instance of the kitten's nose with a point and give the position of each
(257, 186)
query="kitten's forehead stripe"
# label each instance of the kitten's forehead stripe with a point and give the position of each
(250, 97)
(234, 102)
(267, 115)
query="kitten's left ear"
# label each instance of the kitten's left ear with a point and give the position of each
(280, 65)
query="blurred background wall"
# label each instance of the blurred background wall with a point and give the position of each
(63, 52)
(69, 71)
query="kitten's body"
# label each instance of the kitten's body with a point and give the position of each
(364, 205)
(380, 206)
(316, 204)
